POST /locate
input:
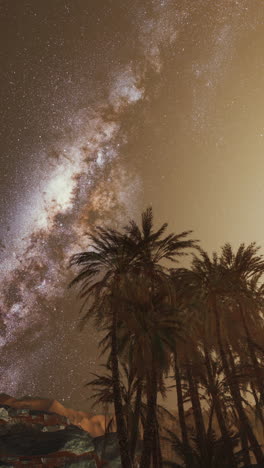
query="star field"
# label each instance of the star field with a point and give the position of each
(107, 106)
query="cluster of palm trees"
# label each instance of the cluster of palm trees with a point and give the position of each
(204, 323)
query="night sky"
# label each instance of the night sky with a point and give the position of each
(108, 106)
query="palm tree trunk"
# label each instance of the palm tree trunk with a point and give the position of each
(183, 426)
(233, 390)
(198, 415)
(149, 429)
(120, 420)
(136, 417)
(156, 453)
(218, 409)
(210, 421)
(251, 436)
(252, 354)
(258, 406)
(257, 403)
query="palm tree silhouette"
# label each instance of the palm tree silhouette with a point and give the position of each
(155, 323)
(101, 272)
(116, 262)
(245, 269)
(215, 284)
(155, 317)
(192, 296)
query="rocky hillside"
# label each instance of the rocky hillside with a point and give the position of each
(94, 424)
(35, 437)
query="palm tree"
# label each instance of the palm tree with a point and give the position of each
(114, 260)
(148, 335)
(102, 386)
(197, 290)
(245, 269)
(188, 297)
(131, 390)
(216, 288)
(100, 276)
(197, 411)
(216, 449)
(187, 452)
(156, 291)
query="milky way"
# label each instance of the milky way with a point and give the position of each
(76, 183)
(80, 177)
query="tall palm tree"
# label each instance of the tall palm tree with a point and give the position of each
(155, 291)
(199, 288)
(149, 336)
(216, 448)
(114, 260)
(100, 276)
(188, 297)
(132, 394)
(245, 269)
(187, 452)
(197, 411)
(217, 288)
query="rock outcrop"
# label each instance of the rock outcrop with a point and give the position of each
(34, 436)
(94, 424)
